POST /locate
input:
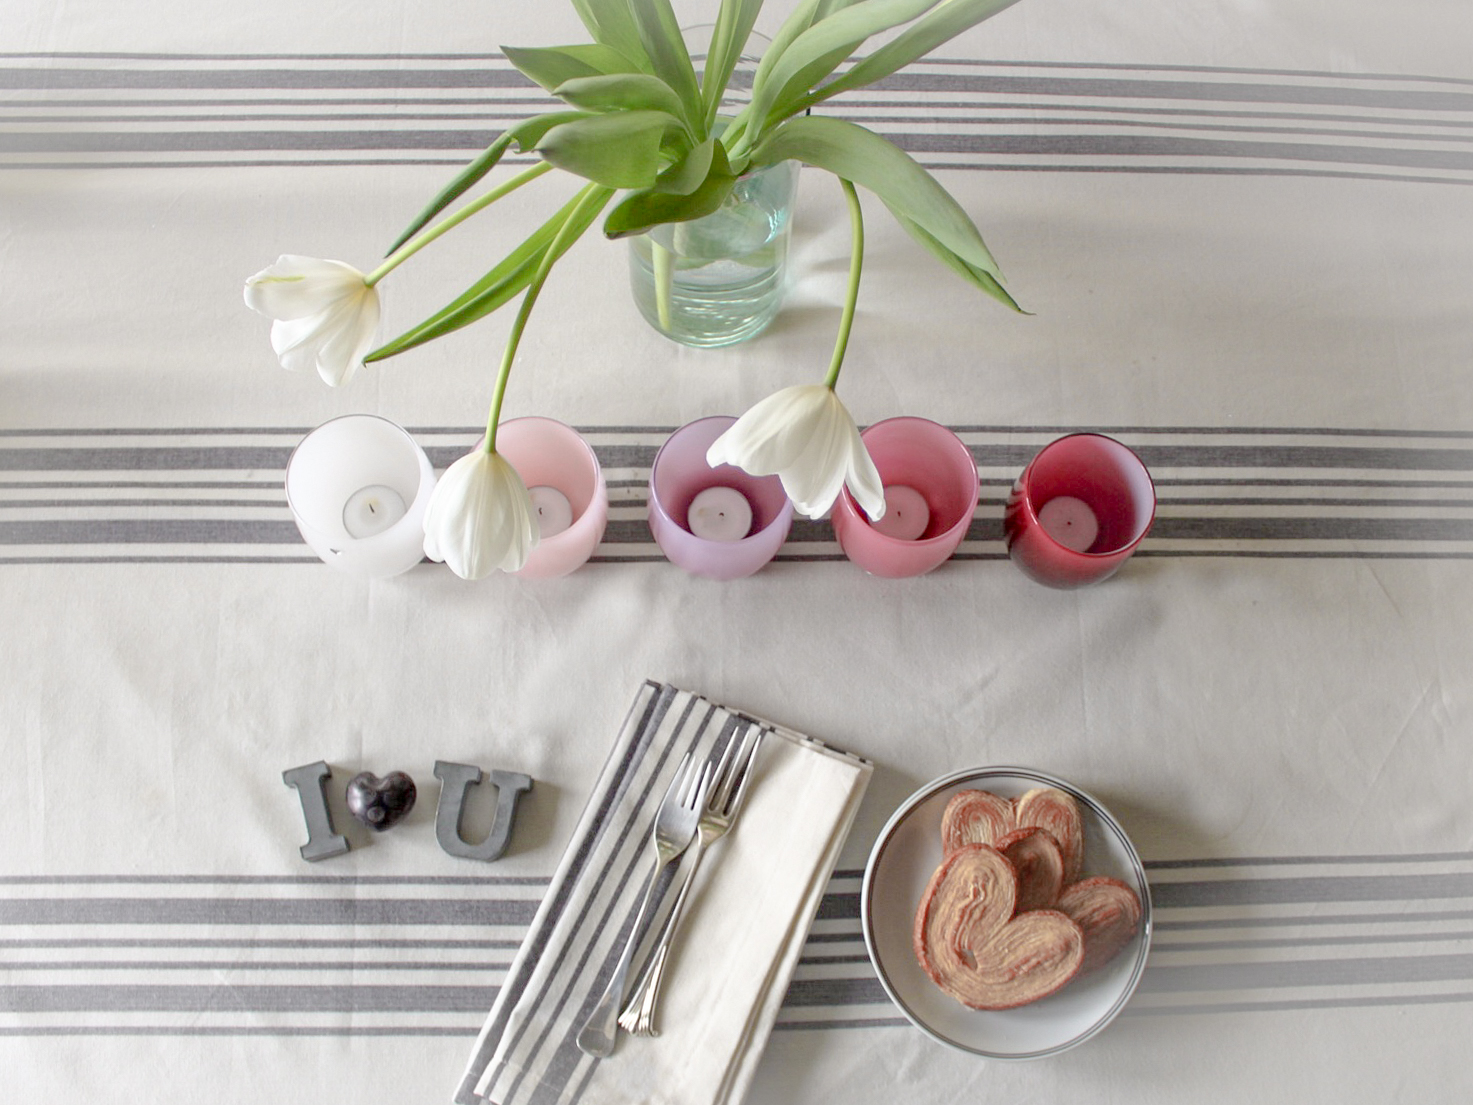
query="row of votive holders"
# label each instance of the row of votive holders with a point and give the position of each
(358, 487)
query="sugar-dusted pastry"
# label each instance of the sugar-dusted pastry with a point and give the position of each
(1039, 863)
(975, 817)
(969, 940)
(1107, 912)
(1052, 809)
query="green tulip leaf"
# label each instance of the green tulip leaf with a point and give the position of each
(799, 20)
(814, 53)
(851, 152)
(529, 132)
(550, 66)
(611, 23)
(689, 172)
(963, 268)
(643, 210)
(734, 23)
(483, 164)
(503, 283)
(938, 26)
(621, 150)
(620, 92)
(664, 45)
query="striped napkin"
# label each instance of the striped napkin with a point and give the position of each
(745, 922)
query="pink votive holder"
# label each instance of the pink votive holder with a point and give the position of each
(570, 499)
(1078, 511)
(687, 497)
(931, 488)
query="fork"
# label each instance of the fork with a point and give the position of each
(676, 828)
(720, 811)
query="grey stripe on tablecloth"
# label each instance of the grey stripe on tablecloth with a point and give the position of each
(1289, 933)
(214, 495)
(200, 110)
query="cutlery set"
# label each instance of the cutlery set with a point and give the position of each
(699, 807)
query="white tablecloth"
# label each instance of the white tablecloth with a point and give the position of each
(1243, 232)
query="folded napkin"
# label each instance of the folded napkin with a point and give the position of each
(745, 922)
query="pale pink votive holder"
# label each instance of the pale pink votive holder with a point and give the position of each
(1107, 478)
(680, 473)
(547, 453)
(931, 460)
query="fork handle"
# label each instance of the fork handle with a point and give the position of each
(647, 990)
(596, 1037)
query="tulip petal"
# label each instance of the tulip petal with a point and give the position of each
(324, 314)
(341, 352)
(772, 434)
(479, 517)
(814, 480)
(864, 483)
(806, 436)
(296, 286)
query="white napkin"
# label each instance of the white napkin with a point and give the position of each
(744, 927)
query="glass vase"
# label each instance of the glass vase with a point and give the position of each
(719, 280)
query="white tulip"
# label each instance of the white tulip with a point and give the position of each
(805, 436)
(480, 517)
(325, 314)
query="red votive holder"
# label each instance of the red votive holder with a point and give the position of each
(1078, 511)
(931, 490)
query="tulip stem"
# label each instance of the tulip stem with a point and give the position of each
(592, 196)
(424, 238)
(856, 264)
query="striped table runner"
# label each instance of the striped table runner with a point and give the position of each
(330, 956)
(174, 495)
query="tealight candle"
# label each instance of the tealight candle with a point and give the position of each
(1070, 522)
(372, 509)
(719, 514)
(553, 511)
(906, 514)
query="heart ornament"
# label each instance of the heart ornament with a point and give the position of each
(380, 803)
(972, 942)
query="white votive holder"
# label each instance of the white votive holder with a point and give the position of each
(358, 487)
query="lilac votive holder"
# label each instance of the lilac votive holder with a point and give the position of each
(687, 504)
(1078, 511)
(570, 498)
(931, 488)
